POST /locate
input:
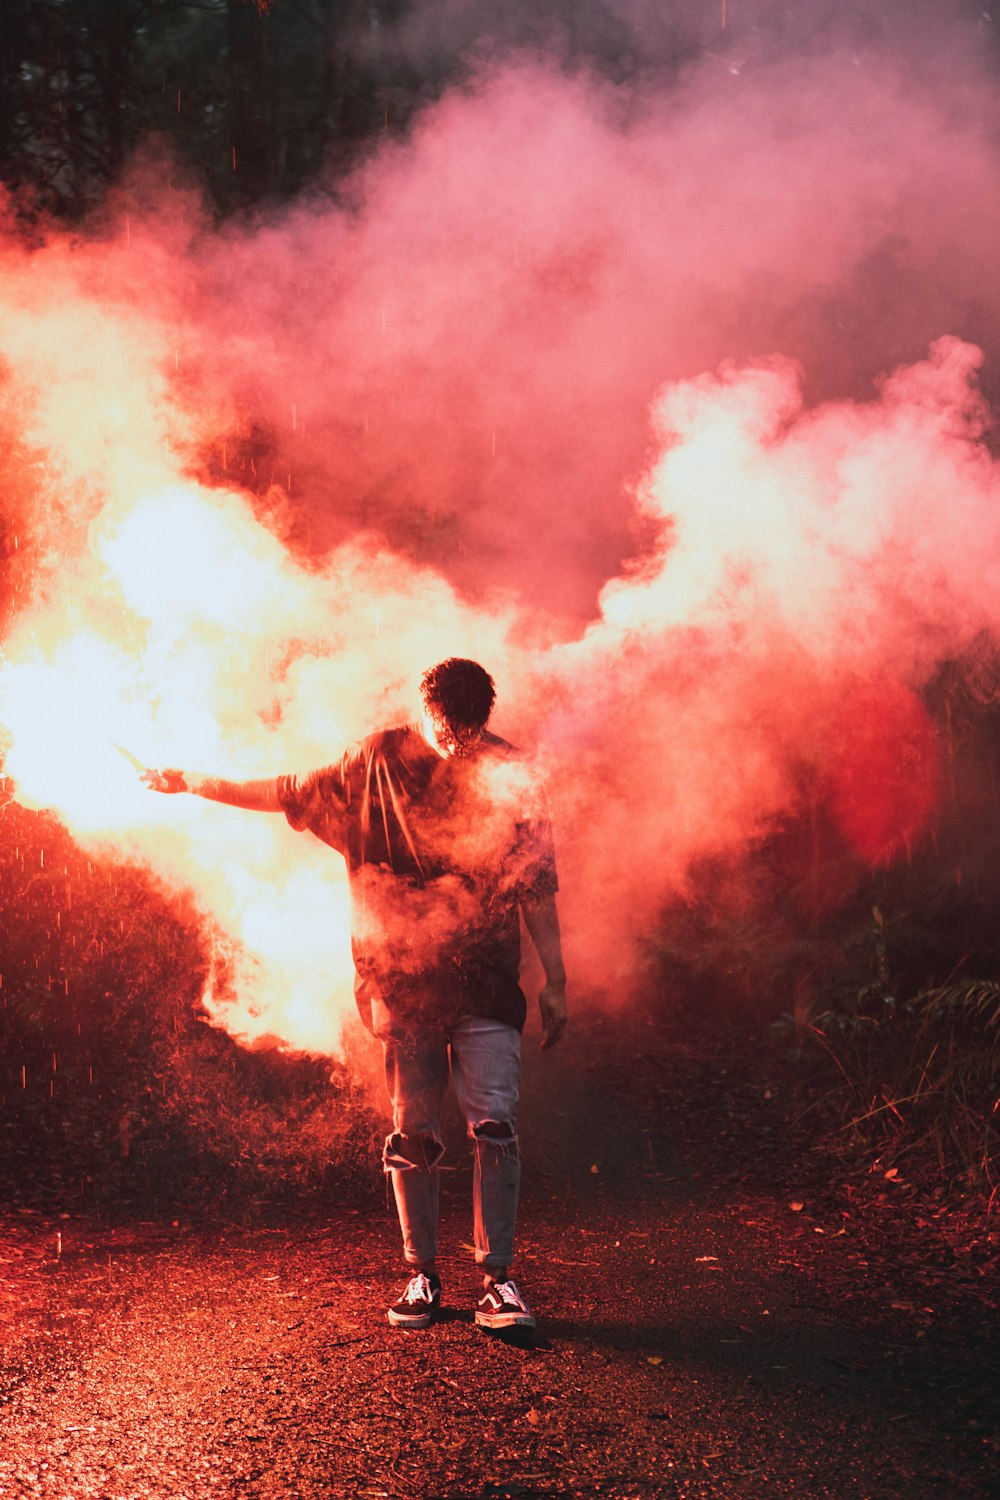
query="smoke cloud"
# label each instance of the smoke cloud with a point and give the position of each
(660, 400)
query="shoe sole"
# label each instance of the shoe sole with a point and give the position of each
(422, 1320)
(504, 1320)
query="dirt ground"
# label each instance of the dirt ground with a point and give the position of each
(716, 1318)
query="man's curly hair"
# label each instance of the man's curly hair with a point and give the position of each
(461, 692)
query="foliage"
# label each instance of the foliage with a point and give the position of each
(255, 100)
(886, 977)
(919, 1080)
(112, 1085)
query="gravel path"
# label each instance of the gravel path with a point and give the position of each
(697, 1335)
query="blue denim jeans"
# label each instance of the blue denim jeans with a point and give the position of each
(484, 1058)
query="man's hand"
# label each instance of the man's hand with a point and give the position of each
(165, 781)
(542, 921)
(552, 1004)
(254, 796)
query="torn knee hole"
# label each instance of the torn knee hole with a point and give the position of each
(494, 1130)
(402, 1151)
(498, 1137)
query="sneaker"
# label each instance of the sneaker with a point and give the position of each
(502, 1306)
(420, 1303)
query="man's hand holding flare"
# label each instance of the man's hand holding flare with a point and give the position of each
(157, 781)
(254, 796)
(164, 781)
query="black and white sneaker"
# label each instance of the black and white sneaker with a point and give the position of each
(420, 1303)
(502, 1306)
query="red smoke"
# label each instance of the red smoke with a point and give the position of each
(883, 770)
(532, 391)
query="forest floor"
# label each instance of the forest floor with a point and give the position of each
(720, 1315)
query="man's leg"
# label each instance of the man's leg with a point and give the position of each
(416, 1075)
(486, 1070)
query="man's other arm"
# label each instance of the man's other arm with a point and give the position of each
(255, 796)
(542, 921)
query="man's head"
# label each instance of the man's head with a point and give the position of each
(458, 698)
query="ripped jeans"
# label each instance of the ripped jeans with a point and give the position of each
(485, 1062)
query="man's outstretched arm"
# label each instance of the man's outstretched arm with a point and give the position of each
(255, 796)
(542, 921)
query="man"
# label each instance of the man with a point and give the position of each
(446, 843)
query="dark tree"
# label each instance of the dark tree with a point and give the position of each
(257, 99)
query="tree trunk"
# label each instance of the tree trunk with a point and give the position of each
(249, 112)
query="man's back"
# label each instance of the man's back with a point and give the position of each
(439, 852)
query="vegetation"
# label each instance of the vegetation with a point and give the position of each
(253, 100)
(880, 982)
(113, 1087)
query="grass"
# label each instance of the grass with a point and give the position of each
(113, 1086)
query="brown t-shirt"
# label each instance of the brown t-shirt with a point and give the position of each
(440, 854)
